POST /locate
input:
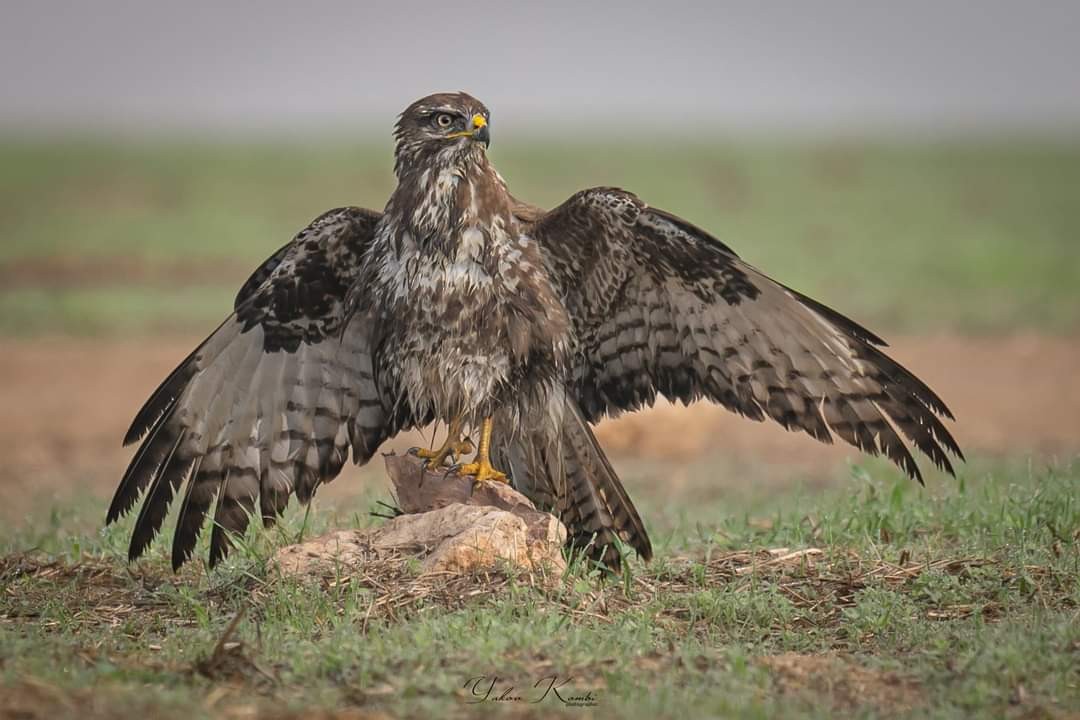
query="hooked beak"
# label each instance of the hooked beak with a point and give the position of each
(480, 132)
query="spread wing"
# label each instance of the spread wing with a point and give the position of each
(269, 404)
(661, 307)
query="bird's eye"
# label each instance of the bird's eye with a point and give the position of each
(444, 120)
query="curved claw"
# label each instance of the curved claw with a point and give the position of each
(450, 450)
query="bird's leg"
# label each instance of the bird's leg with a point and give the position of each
(480, 468)
(451, 448)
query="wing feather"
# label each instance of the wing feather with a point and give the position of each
(661, 307)
(268, 405)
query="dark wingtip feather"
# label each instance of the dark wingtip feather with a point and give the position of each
(643, 548)
(900, 375)
(920, 401)
(898, 453)
(167, 479)
(220, 544)
(160, 402)
(140, 471)
(192, 514)
(272, 503)
(918, 477)
(232, 516)
(180, 555)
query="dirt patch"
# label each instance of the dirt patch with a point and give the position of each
(842, 682)
(75, 272)
(67, 403)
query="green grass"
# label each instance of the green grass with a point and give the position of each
(113, 309)
(980, 237)
(957, 601)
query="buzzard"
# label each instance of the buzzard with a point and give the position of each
(462, 305)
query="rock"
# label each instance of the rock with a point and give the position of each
(447, 525)
(418, 489)
(327, 554)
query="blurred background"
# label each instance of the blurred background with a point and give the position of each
(915, 165)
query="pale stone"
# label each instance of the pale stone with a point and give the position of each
(449, 526)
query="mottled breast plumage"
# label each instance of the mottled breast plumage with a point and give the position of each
(471, 321)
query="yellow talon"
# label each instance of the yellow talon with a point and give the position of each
(483, 471)
(453, 447)
(481, 468)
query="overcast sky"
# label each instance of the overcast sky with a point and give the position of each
(923, 65)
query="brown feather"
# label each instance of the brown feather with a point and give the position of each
(661, 307)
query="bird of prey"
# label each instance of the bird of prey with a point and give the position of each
(460, 304)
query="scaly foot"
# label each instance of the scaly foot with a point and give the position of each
(481, 471)
(481, 468)
(451, 449)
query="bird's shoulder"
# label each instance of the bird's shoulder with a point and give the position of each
(341, 234)
(614, 202)
(298, 293)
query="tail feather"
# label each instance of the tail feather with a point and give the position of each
(560, 466)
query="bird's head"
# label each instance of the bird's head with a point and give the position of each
(449, 128)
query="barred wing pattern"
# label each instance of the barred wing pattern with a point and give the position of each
(269, 404)
(661, 307)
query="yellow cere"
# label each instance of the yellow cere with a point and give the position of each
(478, 121)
